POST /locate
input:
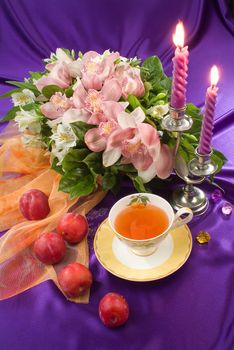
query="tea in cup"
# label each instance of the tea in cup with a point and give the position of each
(142, 221)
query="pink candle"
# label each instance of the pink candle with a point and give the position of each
(207, 123)
(180, 68)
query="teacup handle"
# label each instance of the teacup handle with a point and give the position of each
(180, 222)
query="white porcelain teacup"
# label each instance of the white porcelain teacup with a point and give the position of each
(148, 246)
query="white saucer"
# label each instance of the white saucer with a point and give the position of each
(120, 261)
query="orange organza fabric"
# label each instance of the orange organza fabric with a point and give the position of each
(19, 268)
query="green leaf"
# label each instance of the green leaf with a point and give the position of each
(152, 70)
(139, 185)
(57, 167)
(78, 182)
(134, 102)
(24, 85)
(80, 129)
(109, 181)
(126, 168)
(187, 145)
(9, 93)
(12, 112)
(94, 163)
(165, 83)
(36, 75)
(50, 90)
(73, 158)
(69, 92)
(69, 53)
(192, 110)
(84, 186)
(219, 159)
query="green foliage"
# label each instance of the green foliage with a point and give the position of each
(24, 85)
(73, 158)
(80, 129)
(9, 93)
(78, 182)
(152, 72)
(50, 90)
(12, 112)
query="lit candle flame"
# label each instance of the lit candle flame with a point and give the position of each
(178, 36)
(214, 76)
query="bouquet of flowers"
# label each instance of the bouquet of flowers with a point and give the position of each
(99, 116)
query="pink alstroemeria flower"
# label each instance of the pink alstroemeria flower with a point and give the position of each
(59, 75)
(97, 68)
(143, 148)
(102, 105)
(130, 80)
(57, 105)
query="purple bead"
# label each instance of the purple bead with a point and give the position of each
(217, 195)
(227, 208)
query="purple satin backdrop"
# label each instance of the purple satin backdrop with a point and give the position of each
(193, 308)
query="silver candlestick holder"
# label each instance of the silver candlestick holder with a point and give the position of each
(177, 120)
(202, 165)
(194, 173)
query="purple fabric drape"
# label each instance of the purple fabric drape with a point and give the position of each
(193, 309)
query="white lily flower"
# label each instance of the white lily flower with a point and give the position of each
(28, 120)
(23, 98)
(64, 138)
(158, 111)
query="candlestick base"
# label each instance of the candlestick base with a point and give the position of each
(202, 165)
(191, 197)
(177, 120)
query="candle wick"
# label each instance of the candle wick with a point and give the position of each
(212, 86)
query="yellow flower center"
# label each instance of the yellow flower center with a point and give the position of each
(94, 101)
(106, 128)
(132, 147)
(91, 67)
(64, 137)
(59, 101)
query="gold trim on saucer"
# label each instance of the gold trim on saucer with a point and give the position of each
(182, 241)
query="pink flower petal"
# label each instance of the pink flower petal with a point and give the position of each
(138, 115)
(148, 174)
(131, 120)
(111, 156)
(111, 109)
(94, 140)
(88, 56)
(51, 111)
(111, 90)
(79, 95)
(165, 162)
(126, 121)
(148, 134)
(97, 118)
(91, 81)
(74, 115)
(118, 136)
(142, 160)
